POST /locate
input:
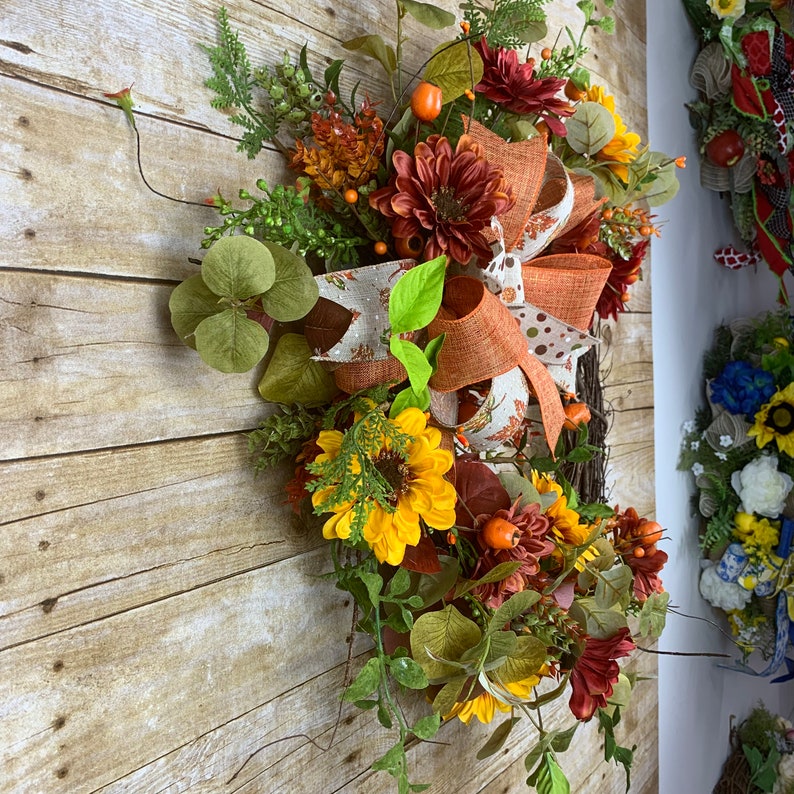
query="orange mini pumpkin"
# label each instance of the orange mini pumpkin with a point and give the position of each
(500, 534)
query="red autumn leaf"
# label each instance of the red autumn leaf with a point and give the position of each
(422, 558)
(479, 490)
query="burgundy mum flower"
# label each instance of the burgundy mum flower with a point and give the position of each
(446, 196)
(596, 671)
(531, 548)
(513, 86)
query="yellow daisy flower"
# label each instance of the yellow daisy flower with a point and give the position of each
(725, 9)
(419, 490)
(775, 422)
(624, 144)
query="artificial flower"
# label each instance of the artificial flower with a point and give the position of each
(761, 487)
(514, 87)
(757, 535)
(623, 147)
(625, 271)
(727, 9)
(419, 491)
(447, 196)
(596, 671)
(530, 549)
(485, 705)
(742, 388)
(343, 155)
(775, 422)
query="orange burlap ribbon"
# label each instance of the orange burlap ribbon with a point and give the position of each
(357, 375)
(585, 202)
(523, 164)
(483, 340)
(566, 286)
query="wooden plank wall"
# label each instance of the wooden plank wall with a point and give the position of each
(161, 618)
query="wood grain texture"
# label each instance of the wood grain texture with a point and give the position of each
(161, 614)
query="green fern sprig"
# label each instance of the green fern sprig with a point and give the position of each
(353, 476)
(233, 82)
(507, 23)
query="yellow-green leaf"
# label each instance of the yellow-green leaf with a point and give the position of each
(454, 67)
(293, 377)
(230, 342)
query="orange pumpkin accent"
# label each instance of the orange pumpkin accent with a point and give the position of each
(409, 247)
(649, 532)
(500, 534)
(576, 414)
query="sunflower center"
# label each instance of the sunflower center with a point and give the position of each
(393, 468)
(448, 208)
(780, 418)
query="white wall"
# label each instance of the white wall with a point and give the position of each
(691, 295)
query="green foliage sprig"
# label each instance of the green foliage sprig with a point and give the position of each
(284, 216)
(265, 102)
(281, 435)
(353, 474)
(508, 23)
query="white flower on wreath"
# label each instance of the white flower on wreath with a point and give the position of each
(722, 455)
(761, 487)
(727, 9)
(726, 441)
(721, 594)
(785, 774)
(694, 445)
(697, 469)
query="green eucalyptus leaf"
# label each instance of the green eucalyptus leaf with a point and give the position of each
(190, 303)
(614, 587)
(454, 67)
(416, 297)
(663, 188)
(599, 622)
(530, 30)
(445, 633)
(654, 614)
(293, 377)
(408, 673)
(374, 46)
(294, 290)
(496, 574)
(429, 15)
(238, 267)
(414, 361)
(561, 740)
(230, 342)
(590, 128)
(365, 683)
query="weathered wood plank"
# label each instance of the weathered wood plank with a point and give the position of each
(82, 708)
(149, 523)
(208, 764)
(93, 213)
(93, 364)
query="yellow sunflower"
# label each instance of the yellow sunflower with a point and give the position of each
(416, 477)
(623, 146)
(775, 422)
(485, 705)
(566, 523)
